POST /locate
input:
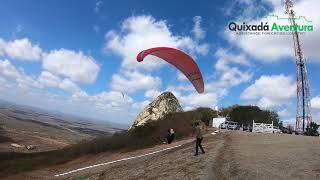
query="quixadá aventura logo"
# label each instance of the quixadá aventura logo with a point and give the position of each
(273, 25)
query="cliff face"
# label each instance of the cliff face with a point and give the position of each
(162, 105)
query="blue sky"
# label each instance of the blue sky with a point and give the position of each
(78, 57)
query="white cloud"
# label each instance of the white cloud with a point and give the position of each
(25, 82)
(74, 65)
(5, 84)
(108, 106)
(227, 75)
(228, 71)
(246, 8)
(61, 68)
(69, 86)
(189, 99)
(284, 113)
(111, 99)
(275, 3)
(17, 76)
(225, 57)
(271, 91)
(198, 32)
(271, 48)
(138, 106)
(315, 102)
(181, 76)
(132, 81)
(139, 33)
(152, 94)
(143, 32)
(20, 49)
(199, 100)
(18, 87)
(2, 81)
(315, 109)
(287, 114)
(48, 79)
(8, 69)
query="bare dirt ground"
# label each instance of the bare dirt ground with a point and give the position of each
(42, 141)
(268, 156)
(229, 155)
(43, 130)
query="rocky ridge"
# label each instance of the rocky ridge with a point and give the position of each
(164, 104)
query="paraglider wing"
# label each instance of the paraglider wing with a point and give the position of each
(180, 60)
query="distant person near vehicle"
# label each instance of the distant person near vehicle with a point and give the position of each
(167, 137)
(199, 136)
(170, 136)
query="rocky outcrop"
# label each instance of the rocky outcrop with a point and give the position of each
(164, 104)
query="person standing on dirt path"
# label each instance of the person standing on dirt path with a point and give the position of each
(172, 134)
(199, 136)
(168, 138)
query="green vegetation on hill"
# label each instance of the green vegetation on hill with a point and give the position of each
(245, 115)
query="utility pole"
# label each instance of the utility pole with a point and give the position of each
(303, 116)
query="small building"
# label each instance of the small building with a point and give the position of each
(216, 122)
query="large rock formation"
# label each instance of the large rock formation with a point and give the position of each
(162, 105)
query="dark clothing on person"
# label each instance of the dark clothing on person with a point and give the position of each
(198, 144)
(199, 139)
(170, 136)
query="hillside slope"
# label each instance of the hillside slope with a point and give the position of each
(229, 155)
(46, 131)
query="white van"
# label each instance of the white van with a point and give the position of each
(229, 125)
(233, 126)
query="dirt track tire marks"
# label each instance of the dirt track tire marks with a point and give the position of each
(178, 163)
(144, 162)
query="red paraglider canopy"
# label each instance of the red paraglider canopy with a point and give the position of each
(180, 60)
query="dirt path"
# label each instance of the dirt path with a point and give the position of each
(229, 155)
(268, 156)
(177, 163)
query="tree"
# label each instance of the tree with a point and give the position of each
(245, 115)
(280, 125)
(225, 112)
(313, 129)
(206, 114)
